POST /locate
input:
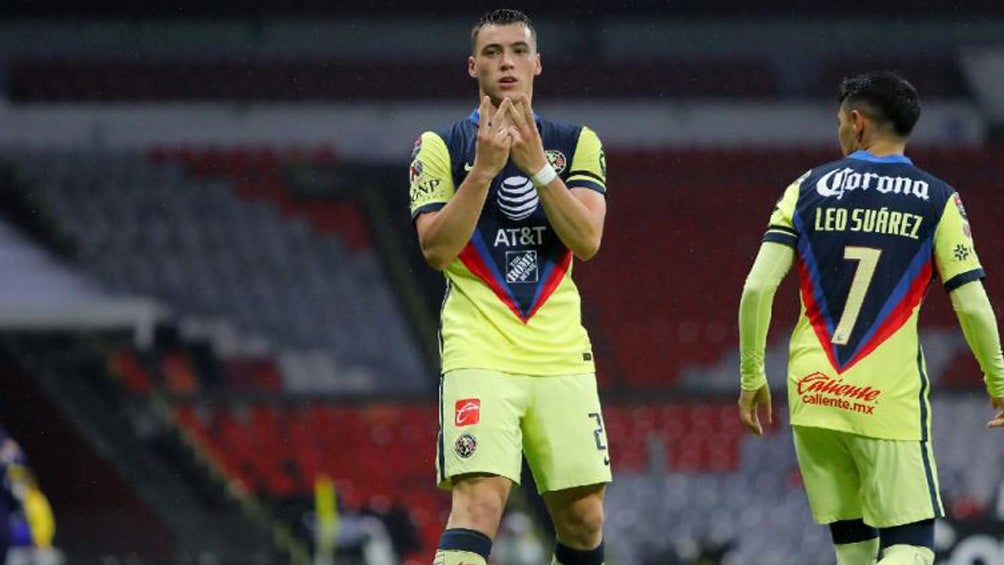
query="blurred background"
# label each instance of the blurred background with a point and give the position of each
(218, 337)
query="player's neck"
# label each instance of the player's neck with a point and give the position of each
(884, 147)
(482, 94)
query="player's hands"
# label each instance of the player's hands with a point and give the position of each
(998, 421)
(494, 141)
(504, 119)
(527, 149)
(749, 403)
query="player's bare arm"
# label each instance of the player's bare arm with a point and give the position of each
(444, 233)
(577, 214)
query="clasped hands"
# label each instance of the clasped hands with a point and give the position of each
(508, 132)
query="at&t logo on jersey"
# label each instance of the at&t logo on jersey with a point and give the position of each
(517, 198)
(467, 412)
(838, 181)
(526, 235)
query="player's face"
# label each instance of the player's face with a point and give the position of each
(504, 61)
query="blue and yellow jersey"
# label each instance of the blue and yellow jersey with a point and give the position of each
(510, 302)
(869, 234)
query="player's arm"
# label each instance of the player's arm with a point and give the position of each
(770, 267)
(772, 263)
(979, 326)
(443, 233)
(576, 214)
(962, 274)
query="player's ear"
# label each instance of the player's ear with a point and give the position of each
(858, 123)
(537, 67)
(472, 68)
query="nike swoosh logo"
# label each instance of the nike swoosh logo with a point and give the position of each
(468, 167)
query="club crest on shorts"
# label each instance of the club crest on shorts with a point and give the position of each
(556, 159)
(465, 446)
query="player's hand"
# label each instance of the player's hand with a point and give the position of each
(998, 421)
(494, 141)
(527, 148)
(749, 403)
(503, 119)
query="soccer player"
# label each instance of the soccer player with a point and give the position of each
(867, 234)
(502, 201)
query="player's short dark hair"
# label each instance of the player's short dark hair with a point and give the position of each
(502, 17)
(885, 97)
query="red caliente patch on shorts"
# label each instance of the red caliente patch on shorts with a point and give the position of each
(468, 412)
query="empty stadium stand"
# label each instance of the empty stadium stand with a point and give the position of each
(334, 80)
(220, 235)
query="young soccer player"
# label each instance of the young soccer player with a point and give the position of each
(867, 235)
(502, 202)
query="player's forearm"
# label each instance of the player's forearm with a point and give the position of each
(753, 324)
(979, 326)
(579, 228)
(771, 264)
(450, 229)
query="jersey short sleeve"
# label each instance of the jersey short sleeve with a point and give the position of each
(954, 252)
(589, 164)
(429, 174)
(781, 227)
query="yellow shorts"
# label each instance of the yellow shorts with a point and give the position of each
(885, 482)
(489, 419)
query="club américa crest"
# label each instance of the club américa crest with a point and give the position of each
(465, 445)
(557, 160)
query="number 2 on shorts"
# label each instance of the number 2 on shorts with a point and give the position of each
(598, 432)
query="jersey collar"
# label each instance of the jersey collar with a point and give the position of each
(476, 117)
(866, 156)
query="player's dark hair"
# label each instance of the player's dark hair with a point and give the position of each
(885, 97)
(502, 17)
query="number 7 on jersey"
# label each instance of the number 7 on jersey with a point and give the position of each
(867, 259)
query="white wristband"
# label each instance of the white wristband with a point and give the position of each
(544, 176)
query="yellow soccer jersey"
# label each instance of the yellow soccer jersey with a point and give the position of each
(869, 232)
(510, 302)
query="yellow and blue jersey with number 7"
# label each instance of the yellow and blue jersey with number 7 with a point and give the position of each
(870, 234)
